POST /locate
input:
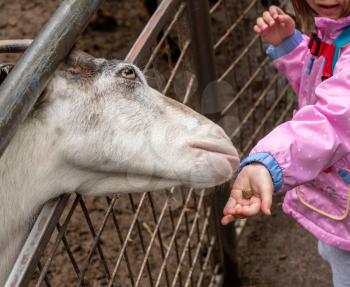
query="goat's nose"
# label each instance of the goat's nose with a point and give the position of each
(213, 131)
(220, 133)
(210, 136)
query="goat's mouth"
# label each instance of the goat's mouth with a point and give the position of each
(226, 150)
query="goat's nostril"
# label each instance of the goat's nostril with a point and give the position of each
(128, 73)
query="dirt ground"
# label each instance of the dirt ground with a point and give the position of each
(272, 251)
(275, 251)
(111, 35)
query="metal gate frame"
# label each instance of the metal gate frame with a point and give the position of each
(33, 71)
(25, 83)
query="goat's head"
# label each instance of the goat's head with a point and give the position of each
(121, 135)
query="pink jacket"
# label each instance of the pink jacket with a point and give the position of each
(309, 155)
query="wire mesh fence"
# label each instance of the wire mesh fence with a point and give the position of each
(169, 237)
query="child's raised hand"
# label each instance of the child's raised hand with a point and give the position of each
(275, 26)
(256, 177)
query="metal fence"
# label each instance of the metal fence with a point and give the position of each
(205, 55)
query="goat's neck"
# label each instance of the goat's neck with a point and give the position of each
(28, 179)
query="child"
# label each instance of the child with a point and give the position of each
(308, 156)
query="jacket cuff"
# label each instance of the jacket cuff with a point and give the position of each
(288, 45)
(270, 163)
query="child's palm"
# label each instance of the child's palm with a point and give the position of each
(257, 178)
(243, 207)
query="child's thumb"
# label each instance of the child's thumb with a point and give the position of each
(266, 202)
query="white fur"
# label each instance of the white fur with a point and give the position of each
(108, 136)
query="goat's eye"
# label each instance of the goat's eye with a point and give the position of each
(128, 73)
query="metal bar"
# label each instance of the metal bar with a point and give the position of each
(121, 239)
(14, 46)
(23, 85)
(148, 251)
(286, 112)
(215, 7)
(36, 242)
(143, 43)
(234, 25)
(47, 282)
(206, 73)
(214, 282)
(203, 52)
(170, 194)
(173, 238)
(176, 67)
(96, 237)
(157, 227)
(69, 252)
(139, 232)
(198, 249)
(165, 35)
(189, 249)
(205, 211)
(255, 105)
(245, 87)
(122, 250)
(57, 242)
(264, 120)
(241, 56)
(206, 262)
(188, 90)
(188, 241)
(19, 46)
(96, 244)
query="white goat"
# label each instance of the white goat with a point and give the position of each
(97, 129)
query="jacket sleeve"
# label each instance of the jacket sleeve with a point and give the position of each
(289, 57)
(318, 135)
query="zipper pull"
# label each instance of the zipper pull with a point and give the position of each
(310, 65)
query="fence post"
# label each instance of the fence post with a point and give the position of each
(204, 60)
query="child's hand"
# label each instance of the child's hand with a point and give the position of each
(256, 177)
(275, 26)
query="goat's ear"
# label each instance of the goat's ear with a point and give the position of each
(5, 69)
(79, 65)
(82, 71)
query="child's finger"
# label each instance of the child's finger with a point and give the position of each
(268, 18)
(230, 205)
(261, 24)
(249, 210)
(264, 187)
(257, 29)
(275, 11)
(227, 219)
(266, 202)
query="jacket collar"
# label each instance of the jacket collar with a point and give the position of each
(331, 28)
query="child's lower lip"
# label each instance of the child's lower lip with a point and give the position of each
(329, 10)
